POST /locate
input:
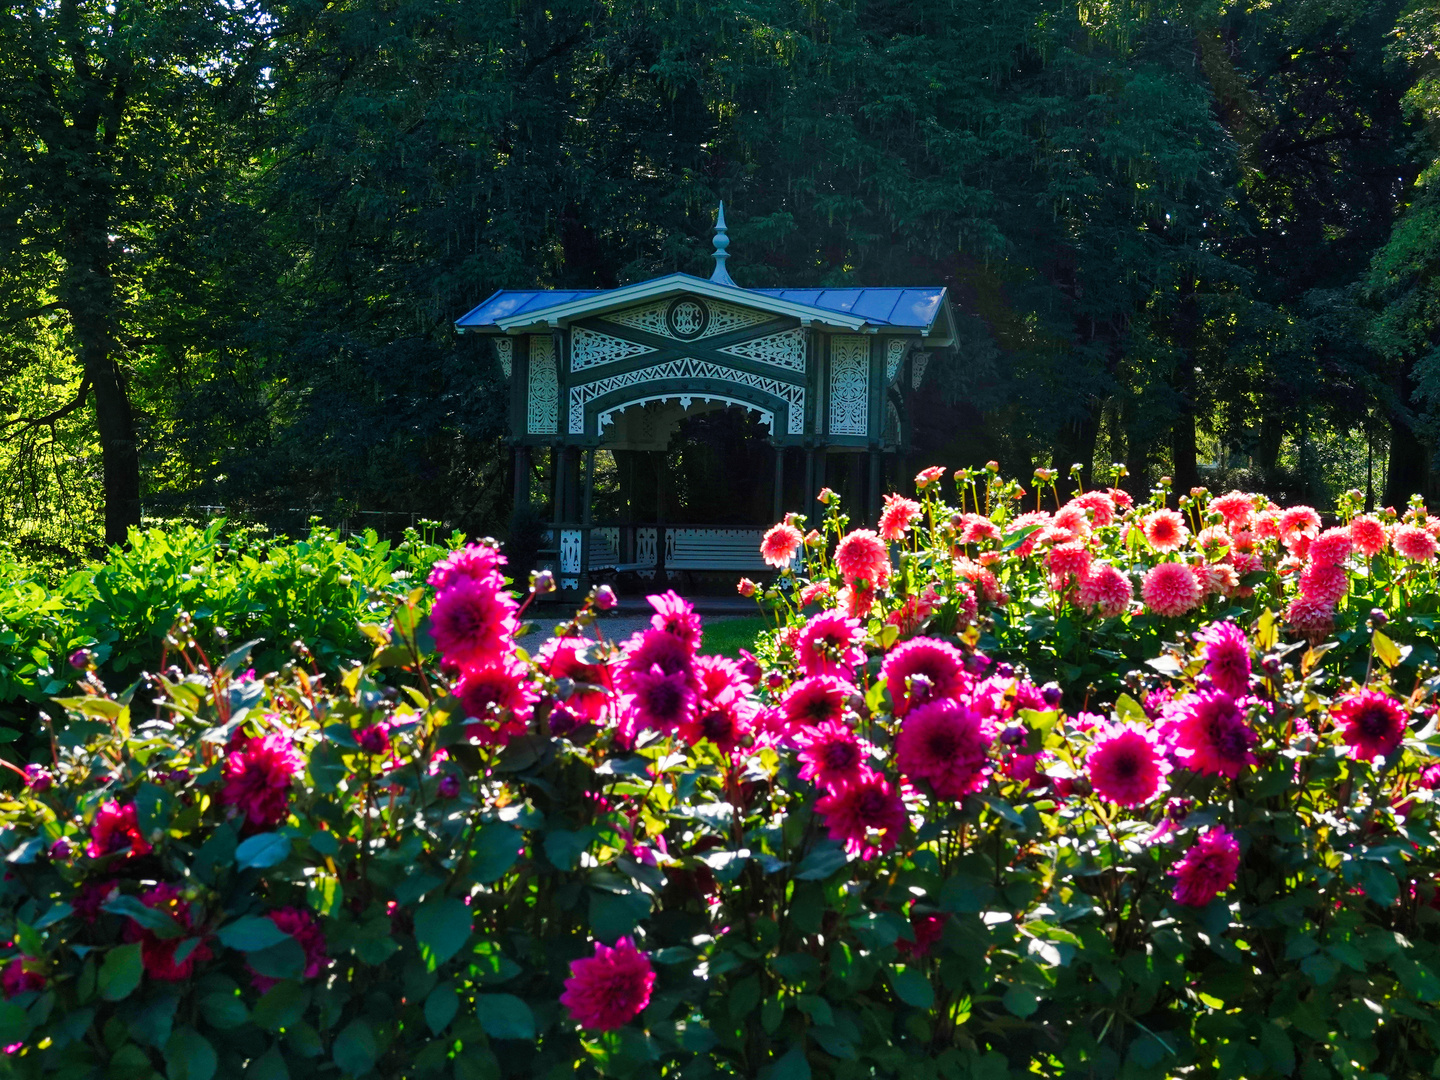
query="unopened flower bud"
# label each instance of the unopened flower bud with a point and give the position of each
(449, 786)
(605, 598)
(1014, 735)
(827, 497)
(38, 778)
(1378, 618)
(1271, 665)
(81, 659)
(1051, 694)
(60, 849)
(745, 587)
(992, 467)
(542, 582)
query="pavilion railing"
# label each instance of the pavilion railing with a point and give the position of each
(649, 549)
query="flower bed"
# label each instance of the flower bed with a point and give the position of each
(892, 846)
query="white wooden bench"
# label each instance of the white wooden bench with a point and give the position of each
(604, 548)
(714, 549)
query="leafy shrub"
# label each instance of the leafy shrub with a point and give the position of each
(885, 854)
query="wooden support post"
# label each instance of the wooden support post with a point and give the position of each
(587, 501)
(874, 486)
(522, 479)
(779, 483)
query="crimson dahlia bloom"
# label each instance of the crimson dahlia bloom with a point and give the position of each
(1171, 589)
(945, 744)
(1372, 723)
(1126, 766)
(862, 556)
(1211, 735)
(831, 754)
(816, 699)
(829, 644)
(16, 978)
(303, 927)
(257, 778)
(473, 622)
(611, 988)
(866, 814)
(560, 659)
(115, 829)
(157, 953)
(897, 516)
(1208, 868)
(490, 689)
(942, 665)
(1227, 657)
(780, 544)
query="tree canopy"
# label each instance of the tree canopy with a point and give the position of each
(1197, 238)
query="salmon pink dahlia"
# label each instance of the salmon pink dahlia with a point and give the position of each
(1298, 525)
(1367, 536)
(608, 990)
(1067, 563)
(1165, 531)
(1121, 498)
(1331, 547)
(855, 600)
(1171, 589)
(1126, 766)
(1235, 507)
(866, 814)
(1037, 520)
(897, 516)
(1414, 543)
(780, 545)
(862, 556)
(975, 529)
(257, 778)
(946, 745)
(1313, 616)
(814, 593)
(925, 477)
(1208, 868)
(1371, 723)
(1324, 582)
(829, 644)
(1106, 590)
(1100, 506)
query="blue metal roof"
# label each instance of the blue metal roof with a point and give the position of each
(916, 307)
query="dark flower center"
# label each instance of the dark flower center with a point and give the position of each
(942, 743)
(716, 726)
(840, 755)
(1374, 722)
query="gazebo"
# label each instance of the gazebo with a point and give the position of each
(826, 372)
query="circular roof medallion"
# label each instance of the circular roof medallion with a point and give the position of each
(687, 317)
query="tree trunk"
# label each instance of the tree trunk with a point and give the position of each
(1408, 472)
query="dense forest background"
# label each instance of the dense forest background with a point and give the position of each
(1199, 238)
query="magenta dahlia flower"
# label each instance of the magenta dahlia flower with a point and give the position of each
(560, 659)
(16, 978)
(479, 562)
(831, 754)
(866, 814)
(115, 829)
(1227, 657)
(780, 544)
(1208, 868)
(301, 925)
(1210, 734)
(674, 615)
(487, 693)
(157, 954)
(829, 644)
(1126, 765)
(608, 990)
(945, 744)
(1372, 723)
(816, 699)
(473, 622)
(257, 778)
(862, 556)
(941, 665)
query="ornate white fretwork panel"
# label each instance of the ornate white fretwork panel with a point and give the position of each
(917, 375)
(569, 551)
(591, 349)
(646, 550)
(687, 368)
(690, 320)
(785, 349)
(543, 413)
(849, 385)
(505, 353)
(894, 356)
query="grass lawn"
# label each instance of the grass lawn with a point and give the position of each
(728, 636)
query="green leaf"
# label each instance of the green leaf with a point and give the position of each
(217, 853)
(161, 923)
(913, 988)
(822, 861)
(251, 933)
(14, 1023)
(281, 1006)
(283, 961)
(236, 658)
(441, 1007)
(1417, 978)
(325, 894)
(266, 849)
(615, 915)
(152, 808)
(505, 1016)
(268, 1066)
(355, 1049)
(224, 1009)
(833, 1041)
(793, 1066)
(564, 848)
(121, 971)
(1013, 540)
(496, 849)
(189, 1056)
(1022, 1001)
(442, 926)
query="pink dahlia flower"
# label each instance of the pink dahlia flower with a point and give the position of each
(940, 664)
(1372, 723)
(657, 701)
(1106, 590)
(674, 615)
(897, 516)
(1227, 657)
(1414, 543)
(560, 659)
(157, 954)
(829, 644)
(862, 556)
(473, 622)
(1297, 524)
(18, 979)
(608, 990)
(1171, 589)
(1331, 547)
(1126, 766)
(814, 593)
(258, 776)
(115, 829)
(1025, 521)
(303, 927)
(975, 529)
(780, 544)
(719, 678)
(1123, 500)
(1210, 734)
(816, 699)
(1208, 868)
(1100, 506)
(925, 477)
(1165, 531)
(1067, 562)
(866, 814)
(479, 562)
(1323, 581)
(489, 692)
(945, 744)
(1235, 507)
(1313, 616)
(1070, 524)
(831, 754)
(724, 722)
(1367, 536)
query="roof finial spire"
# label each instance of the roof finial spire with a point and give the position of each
(720, 275)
